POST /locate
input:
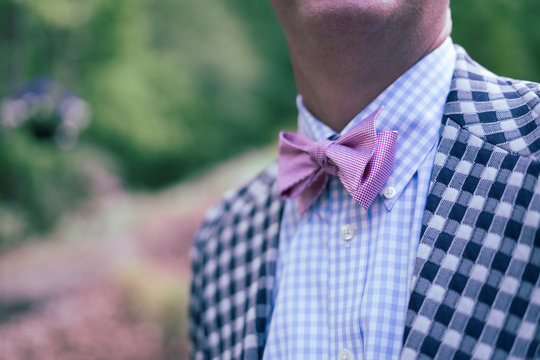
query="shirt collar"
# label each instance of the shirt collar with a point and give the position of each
(413, 105)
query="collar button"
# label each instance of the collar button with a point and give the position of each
(389, 192)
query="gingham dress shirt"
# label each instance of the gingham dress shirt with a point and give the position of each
(344, 273)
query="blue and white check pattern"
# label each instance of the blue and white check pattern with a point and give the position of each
(333, 294)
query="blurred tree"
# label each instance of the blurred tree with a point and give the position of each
(173, 84)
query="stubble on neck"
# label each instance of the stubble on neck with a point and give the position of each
(341, 67)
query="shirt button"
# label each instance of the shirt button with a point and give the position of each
(389, 192)
(347, 232)
(345, 355)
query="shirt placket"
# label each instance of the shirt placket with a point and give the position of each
(345, 275)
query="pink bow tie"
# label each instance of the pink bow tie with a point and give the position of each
(362, 159)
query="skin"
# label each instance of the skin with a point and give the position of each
(346, 52)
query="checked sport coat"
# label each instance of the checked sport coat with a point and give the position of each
(475, 292)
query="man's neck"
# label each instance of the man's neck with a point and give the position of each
(338, 75)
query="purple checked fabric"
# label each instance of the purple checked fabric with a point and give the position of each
(362, 159)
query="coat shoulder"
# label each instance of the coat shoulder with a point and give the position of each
(502, 111)
(239, 204)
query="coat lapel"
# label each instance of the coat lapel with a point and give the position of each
(266, 217)
(469, 297)
(234, 265)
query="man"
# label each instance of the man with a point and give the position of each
(442, 261)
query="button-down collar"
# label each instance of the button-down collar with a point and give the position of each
(416, 116)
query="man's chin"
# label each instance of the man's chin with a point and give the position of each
(338, 17)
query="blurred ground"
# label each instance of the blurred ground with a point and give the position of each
(112, 282)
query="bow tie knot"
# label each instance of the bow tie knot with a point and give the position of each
(319, 153)
(362, 159)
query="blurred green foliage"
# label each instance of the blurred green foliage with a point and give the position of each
(177, 85)
(174, 86)
(37, 184)
(502, 35)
